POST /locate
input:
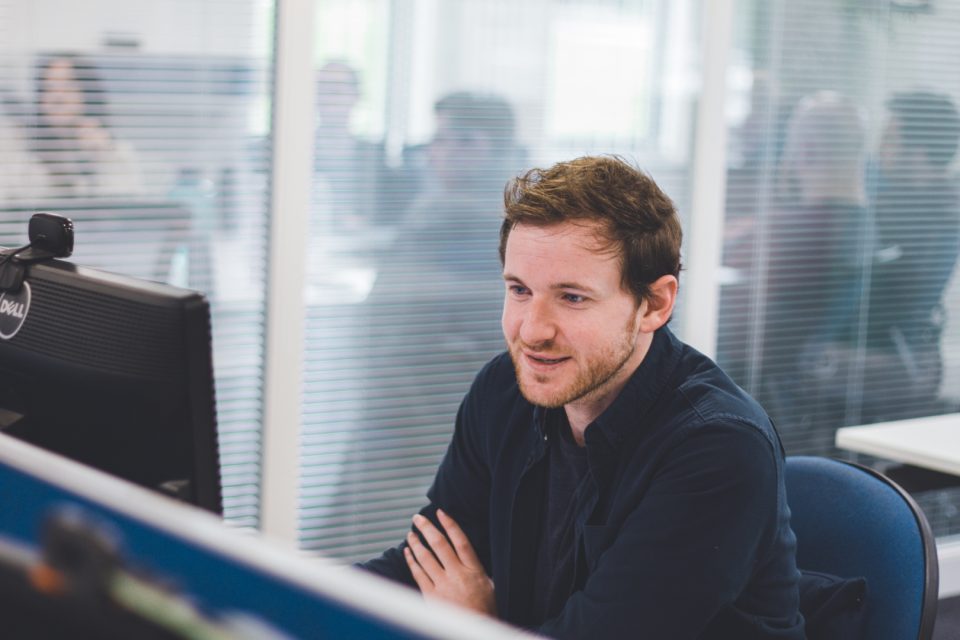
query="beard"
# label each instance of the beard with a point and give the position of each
(591, 376)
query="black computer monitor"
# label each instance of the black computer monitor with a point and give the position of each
(114, 372)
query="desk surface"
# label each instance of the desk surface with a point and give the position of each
(932, 443)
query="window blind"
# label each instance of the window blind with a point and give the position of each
(842, 218)
(146, 124)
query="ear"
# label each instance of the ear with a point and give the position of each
(658, 306)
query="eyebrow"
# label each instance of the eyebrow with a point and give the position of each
(575, 286)
(507, 277)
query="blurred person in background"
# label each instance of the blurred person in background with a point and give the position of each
(443, 267)
(819, 249)
(756, 144)
(917, 218)
(432, 316)
(23, 176)
(350, 172)
(71, 135)
(462, 172)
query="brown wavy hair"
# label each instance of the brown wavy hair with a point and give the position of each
(638, 220)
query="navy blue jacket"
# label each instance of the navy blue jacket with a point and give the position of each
(682, 525)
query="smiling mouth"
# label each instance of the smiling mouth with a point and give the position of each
(545, 361)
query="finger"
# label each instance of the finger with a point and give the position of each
(437, 541)
(428, 562)
(419, 575)
(461, 543)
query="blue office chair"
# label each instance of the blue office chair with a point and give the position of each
(853, 521)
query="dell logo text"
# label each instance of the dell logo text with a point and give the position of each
(10, 308)
(14, 308)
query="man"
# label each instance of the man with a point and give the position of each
(604, 479)
(447, 233)
(917, 218)
(461, 171)
(351, 175)
(440, 271)
(819, 247)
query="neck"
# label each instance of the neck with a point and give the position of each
(580, 418)
(584, 410)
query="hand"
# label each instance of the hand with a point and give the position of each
(452, 573)
(92, 135)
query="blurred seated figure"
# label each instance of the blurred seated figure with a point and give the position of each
(71, 136)
(441, 277)
(350, 172)
(818, 254)
(22, 176)
(443, 268)
(471, 156)
(917, 217)
(433, 315)
(752, 149)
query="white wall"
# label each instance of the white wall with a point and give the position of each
(207, 27)
(173, 26)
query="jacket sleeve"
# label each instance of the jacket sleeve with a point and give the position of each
(687, 548)
(461, 488)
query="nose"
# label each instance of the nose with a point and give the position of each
(537, 323)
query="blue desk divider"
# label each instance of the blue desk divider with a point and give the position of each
(75, 539)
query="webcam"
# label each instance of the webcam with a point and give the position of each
(52, 234)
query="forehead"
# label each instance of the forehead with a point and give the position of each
(59, 70)
(565, 250)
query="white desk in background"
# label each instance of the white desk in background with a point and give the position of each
(930, 443)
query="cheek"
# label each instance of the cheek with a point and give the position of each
(508, 319)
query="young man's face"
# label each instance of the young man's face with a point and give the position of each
(574, 333)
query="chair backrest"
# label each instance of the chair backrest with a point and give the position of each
(853, 521)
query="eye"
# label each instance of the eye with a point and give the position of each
(574, 298)
(518, 290)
